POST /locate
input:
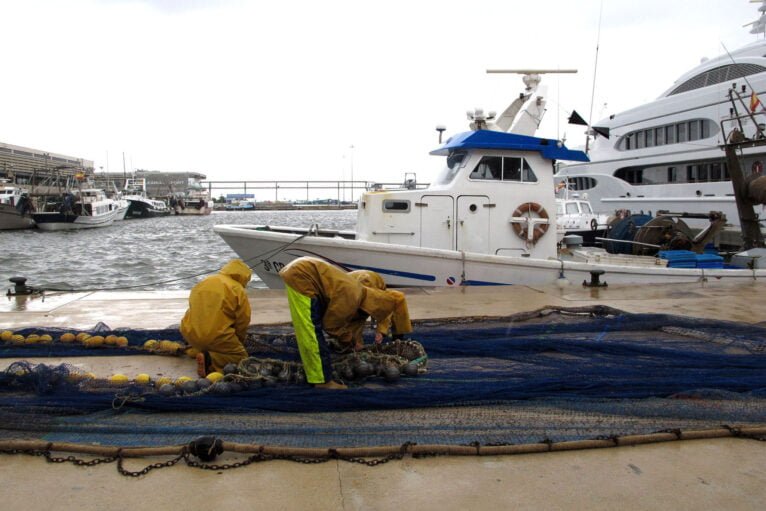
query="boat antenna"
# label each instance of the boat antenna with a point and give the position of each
(595, 68)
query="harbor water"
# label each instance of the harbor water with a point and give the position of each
(172, 252)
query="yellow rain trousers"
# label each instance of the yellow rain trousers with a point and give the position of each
(219, 314)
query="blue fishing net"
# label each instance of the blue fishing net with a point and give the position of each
(555, 373)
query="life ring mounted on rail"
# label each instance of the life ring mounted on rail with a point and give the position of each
(522, 221)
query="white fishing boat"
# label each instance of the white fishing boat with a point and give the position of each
(486, 219)
(80, 209)
(15, 207)
(668, 154)
(140, 204)
(196, 201)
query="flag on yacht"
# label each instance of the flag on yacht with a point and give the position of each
(754, 102)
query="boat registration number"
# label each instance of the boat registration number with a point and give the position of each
(270, 266)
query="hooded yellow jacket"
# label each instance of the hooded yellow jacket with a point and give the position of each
(401, 316)
(219, 311)
(344, 297)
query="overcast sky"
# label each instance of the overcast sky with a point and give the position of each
(254, 90)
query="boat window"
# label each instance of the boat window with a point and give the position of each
(489, 167)
(650, 138)
(396, 206)
(586, 208)
(572, 208)
(528, 175)
(717, 75)
(581, 183)
(455, 162)
(670, 134)
(681, 132)
(559, 209)
(511, 169)
(694, 130)
(659, 136)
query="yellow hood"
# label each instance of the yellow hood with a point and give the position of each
(237, 270)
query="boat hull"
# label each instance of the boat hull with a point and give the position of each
(267, 251)
(11, 219)
(141, 209)
(62, 222)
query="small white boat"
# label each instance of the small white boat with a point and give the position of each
(81, 209)
(15, 207)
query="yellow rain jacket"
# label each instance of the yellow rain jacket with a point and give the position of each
(219, 314)
(401, 316)
(343, 296)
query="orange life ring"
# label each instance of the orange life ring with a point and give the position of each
(539, 229)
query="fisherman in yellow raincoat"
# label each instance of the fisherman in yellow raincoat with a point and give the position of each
(218, 316)
(324, 297)
(399, 319)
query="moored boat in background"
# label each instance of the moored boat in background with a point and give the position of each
(16, 207)
(80, 209)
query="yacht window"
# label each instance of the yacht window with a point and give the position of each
(640, 140)
(396, 206)
(489, 167)
(670, 134)
(559, 209)
(586, 208)
(694, 130)
(672, 175)
(649, 138)
(717, 75)
(659, 136)
(715, 172)
(702, 172)
(681, 132)
(572, 208)
(628, 142)
(691, 173)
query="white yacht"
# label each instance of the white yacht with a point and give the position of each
(195, 201)
(667, 154)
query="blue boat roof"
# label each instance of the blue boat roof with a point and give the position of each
(501, 141)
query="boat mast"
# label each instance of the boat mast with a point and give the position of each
(593, 88)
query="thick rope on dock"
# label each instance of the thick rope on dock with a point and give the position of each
(370, 456)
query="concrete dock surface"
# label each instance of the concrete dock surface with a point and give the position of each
(700, 474)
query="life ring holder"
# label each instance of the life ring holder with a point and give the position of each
(521, 223)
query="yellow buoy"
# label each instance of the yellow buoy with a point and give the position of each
(214, 377)
(82, 336)
(93, 341)
(6, 335)
(168, 347)
(151, 345)
(45, 339)
(191, 352)
(32, 339)
(67, 337)
(162, 381)
(118, 379)
(17, 339)
(143, 379)
(111, 340)
(121, 341)
(181, 380)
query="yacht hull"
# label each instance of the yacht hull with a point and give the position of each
(267, 251)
